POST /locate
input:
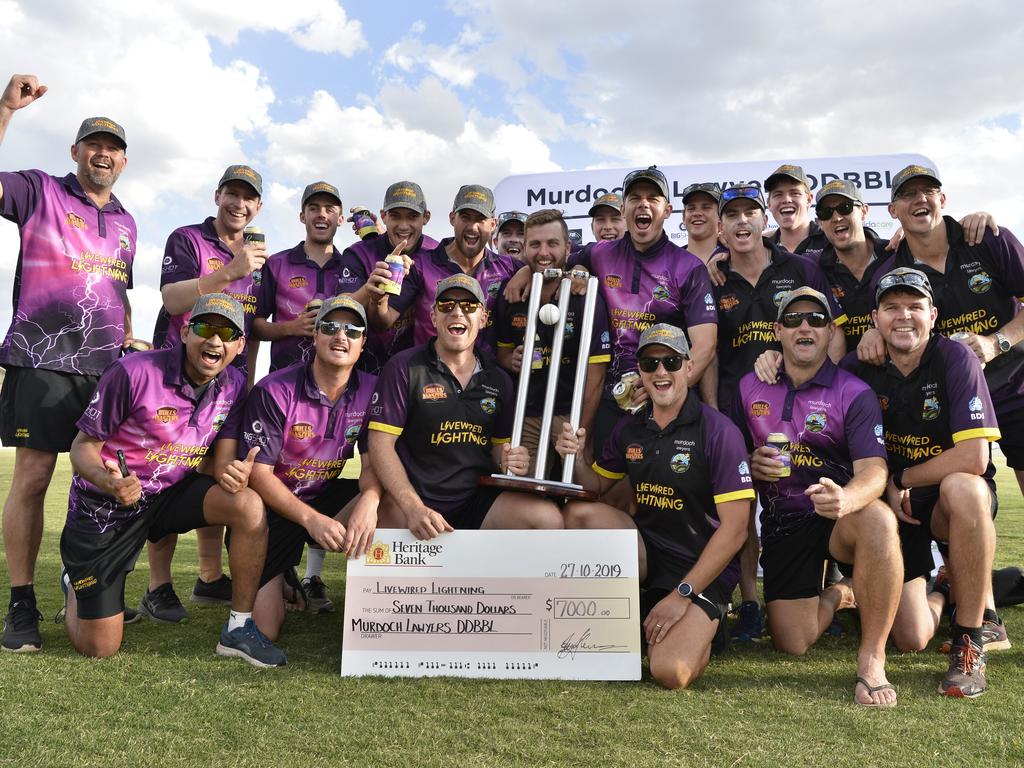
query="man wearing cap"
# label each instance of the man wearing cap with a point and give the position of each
(819, 464)
(71, 319)
(687, 469)
(472, 218)
(441, 418)
(547, 248)
(210, 257)
(305, 421)
(790, 200)
(939, 420)
(136, 460)
(510, 233)
(700, 218)
(606, 219)
(758, 273)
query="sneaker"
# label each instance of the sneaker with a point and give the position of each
(993, 637)
(212, 592)
(162, 604)
(749, 626)
(965, 677)
(21, 628)
(131, 616)
(248, 643)
(317, 600)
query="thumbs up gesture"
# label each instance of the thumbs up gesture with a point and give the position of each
(236, 474)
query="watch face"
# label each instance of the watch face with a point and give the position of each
(684, 589)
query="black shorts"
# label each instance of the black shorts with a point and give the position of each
(607, 416)
(664, 572)
(287, 539)
(794, 563)
(1011, 427)
(470, 516)
(97, 563)
(39, 408)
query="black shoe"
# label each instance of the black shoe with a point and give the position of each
(131, 616)
(162, 604)
(21, 628)
(749, 626)
(317, 600)
(212, 592)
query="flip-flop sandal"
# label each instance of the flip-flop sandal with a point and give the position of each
(872, 689)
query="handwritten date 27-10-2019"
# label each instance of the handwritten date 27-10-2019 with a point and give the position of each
(590, 571)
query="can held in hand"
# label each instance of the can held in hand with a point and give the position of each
(396, 263)
(365, 225)
(780, 442)
(623, 391)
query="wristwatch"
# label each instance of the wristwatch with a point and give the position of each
(685, 590)
(1003, 342)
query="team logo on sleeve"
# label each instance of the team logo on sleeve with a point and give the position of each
(980, 283)
(375, 398)
(977, 408)
(634, 452)
(570, 329)
(302, 430)
(744, 470)
(605, 338)
(166, 414)
(351, 434)
(660, 293)
(878, 434)
(434, 392)
(680, 462)
(74, 220)
(379, 554)
(760, 408)
(815, 422)
(931, 409)
(488, 405)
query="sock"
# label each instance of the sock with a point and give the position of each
(990, 615)
(972, 632)
(237, 619)
(314, 561)
(25, 593)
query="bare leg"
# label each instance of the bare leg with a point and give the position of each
(98, 638)
(683, 655)
(513, 510)
(268, 611)
(243, 512)
(917, 617)
(160, 555)
(23, 512)
(210, 544)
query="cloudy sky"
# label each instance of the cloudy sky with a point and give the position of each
(471, 91)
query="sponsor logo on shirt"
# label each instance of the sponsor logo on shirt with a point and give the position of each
(980, 283)
(214, 264)
(488, 405)
(493, 288)
(977, 409)
(351, 434)
(518, 321)
(255, 435)
(680, 463)
(660, 293)
(613, 281)
(727, 303)
(76, 221)
(744, 470)
(605, 337)
(434, 392)
(777, 298)
(302, 430)
(298, 282)
(570, 328)
(218, 421)
(760, 408)
(815, 422)
(878, 434)
(838, 292)
(166, 414)
(883, 402)
(634, 452)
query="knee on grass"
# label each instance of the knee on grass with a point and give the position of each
(673, 674)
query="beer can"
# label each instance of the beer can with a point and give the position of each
(253, 235)
(365, 225)
(396, 264)
(623, 390)
(313, 304)
(136, 345)
(780, 442)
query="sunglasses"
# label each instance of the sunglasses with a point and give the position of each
(208, 331)
(825, 212)
(910, 194)
(735, 193)
(910, 278)
(794, 319)
(331, 327)
(708, 188)
(447, 306)
(672, 363)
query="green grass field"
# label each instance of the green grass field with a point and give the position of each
(168, 700)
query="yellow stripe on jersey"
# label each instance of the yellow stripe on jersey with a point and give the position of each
(381, 427)
(606, 473)
(746, 493)
(989, 433)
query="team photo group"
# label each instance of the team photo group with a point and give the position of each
(804, 404)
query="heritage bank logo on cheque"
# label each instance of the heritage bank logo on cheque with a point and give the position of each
(403, 553)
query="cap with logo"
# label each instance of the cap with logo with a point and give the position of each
(341, 301)
(804, 293)
(651, 174)
(320, 188)
(94, 125)
(405, 194)
(668, 336)
(840, 187)
(913, 172)
(463, 281)
(906, 279)
(242, 173)
(607, 200)
(709, 188)
(222, 305)
(474, 197)
(750, 192)
(784, 173)
(507, 216)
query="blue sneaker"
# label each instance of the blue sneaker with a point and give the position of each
(749, 626)
(248, 643)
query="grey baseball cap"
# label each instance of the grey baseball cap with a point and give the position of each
(507, 216)
(405, 194)
(750, 192)
(709, 188)
(787, 172)
(607, 200)
(906, 279)
(222, 305)
(320, 188)
(474, 197)
(804, 293)
(651, 174)
(242, 173)
(93, 125)
(341, 301)
(463, 281)
(668, 336)
(840, 187)
(913, 172)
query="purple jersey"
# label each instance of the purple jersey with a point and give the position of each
(445, 432)
(357, 262)
(145, 406)
(192, 252)
(678, 474)
(664, 284)
(302, 434)
(433, 267)
(73, 275)
(830, 421)
(290, 281)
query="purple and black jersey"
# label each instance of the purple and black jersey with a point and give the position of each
(678, 474)
(510, 325)
(943, 401)
(979, 292)
(434, 266)
(303, 435)
(357, 262)
(815, 240)
(145, 406)
(192, 252)
(747, 314)
(445, 433)
(72, 278)
(831, 421)
(290, 281)
(664, 284)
